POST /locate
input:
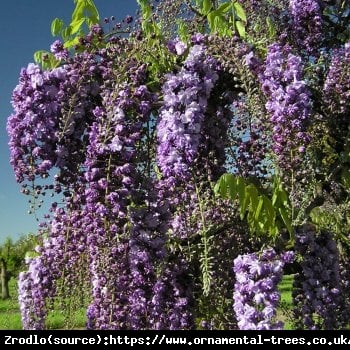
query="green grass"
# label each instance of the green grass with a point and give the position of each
(10, 317)
(284, 312)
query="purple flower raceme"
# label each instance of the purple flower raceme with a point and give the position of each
(122, 248)
(288, 104)
(336, 87)
(306, 24)
(53, 113)
(180, 130)
(317, 288)
(32, 318)
(38, 130)
(181, 118)
(256, 296)
(32, 126)
(146, 252)
(192, 136)
(91, 136)
(180, 138)
(172, 303)
(58, 256)
(344, 270)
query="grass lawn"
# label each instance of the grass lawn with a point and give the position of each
(284, 313)
(10, 317)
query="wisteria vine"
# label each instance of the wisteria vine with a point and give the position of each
(129, 131)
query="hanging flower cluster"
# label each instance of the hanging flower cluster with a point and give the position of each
(306, 24)
(134, 140)
(41, 126)
(32, 127)
(317, 290)
(288, 104)
(256, 296)
(180, 136)
(181, 119)
(118, 302)
(344, 270)
(336, 87)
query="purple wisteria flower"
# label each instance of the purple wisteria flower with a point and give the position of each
(256, 296)
(181, 118)
(177, 46)
(288, 104)
(59, 51)
(336, 87)
(306, 24)
(317, 289)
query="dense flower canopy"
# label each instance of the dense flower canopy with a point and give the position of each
(132, 131)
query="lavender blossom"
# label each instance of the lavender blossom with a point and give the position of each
(317, 289)
(288, 104)
(58, 49)
(306, 24)
(185, 101)
(336, 87)
(256, 296)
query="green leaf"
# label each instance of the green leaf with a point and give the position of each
(66, 33)
(182, 30)
(226, 186)
(283, 197)
(259, 208)
(345, 177)
(240, 28)
(146, 9)
(72, 42)
(38, 56)
(210, 18)
(252, 194)
(218, 187)
(241, 195)
(218, 23)
(223, 8)
(56, 26)
(270, 216)
(240, 11)
(316, 215)
(78, 12)
(157, 172)
(279, 194)
(270, 27)
(274, 198)
(46, 59)
(232, 187)
(94, 15)
(244, 200)
(206, 6)
(270, 211)
(286, 219)
(199, 3)
(76, 25)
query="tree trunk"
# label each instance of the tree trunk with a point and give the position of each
(5, 292)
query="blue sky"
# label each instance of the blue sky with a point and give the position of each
(24, 29)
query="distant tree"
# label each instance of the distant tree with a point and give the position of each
(5, 274)
(12, 256)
